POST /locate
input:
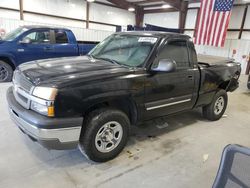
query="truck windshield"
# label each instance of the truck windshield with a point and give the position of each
(128, 50)
(13, 34)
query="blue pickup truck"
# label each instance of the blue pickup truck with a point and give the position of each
(29, 43)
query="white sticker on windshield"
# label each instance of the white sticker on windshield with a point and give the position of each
(147, 39)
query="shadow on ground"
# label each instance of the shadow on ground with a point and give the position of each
(152, 129)
(163, 125)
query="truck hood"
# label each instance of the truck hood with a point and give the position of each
(4, 41)
(61, 72)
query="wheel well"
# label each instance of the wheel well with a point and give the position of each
(7, 60)
(126, 105)
(224, 85)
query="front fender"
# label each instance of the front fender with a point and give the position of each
(9, 56)
(74, 103)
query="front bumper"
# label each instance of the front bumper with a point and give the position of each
(42, 129)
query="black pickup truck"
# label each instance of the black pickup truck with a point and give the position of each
(92, 101)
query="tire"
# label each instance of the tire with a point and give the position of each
(109, 124)
(6, 72)
(215, 110)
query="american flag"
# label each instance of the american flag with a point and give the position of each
(212, 23)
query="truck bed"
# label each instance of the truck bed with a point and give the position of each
(85, 47)
(212, 60)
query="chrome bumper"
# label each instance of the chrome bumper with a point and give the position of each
(31, 123)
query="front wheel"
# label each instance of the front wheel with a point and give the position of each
(105, 134)
(6, 72)
(217, 107)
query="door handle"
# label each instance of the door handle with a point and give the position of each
(190, 77)
(47, 48)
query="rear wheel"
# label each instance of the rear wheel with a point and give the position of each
(6, 72)
(217, 107)
(105, 135)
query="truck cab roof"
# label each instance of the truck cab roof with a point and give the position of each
(160, 34)
(42, 27)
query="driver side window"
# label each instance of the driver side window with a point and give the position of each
(176, 50)
(39, 37)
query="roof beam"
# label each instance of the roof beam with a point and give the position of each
(139, 16)
(122, 4)
(21, 9)
(105, 4)
(147, 1)
(152, 6)
(243, 22)
(87, 14)
(174, 3)
(159, 10)
(183, 15)
(139, 13)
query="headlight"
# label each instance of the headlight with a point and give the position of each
(47, 110)
(44, 103)
(46, 93)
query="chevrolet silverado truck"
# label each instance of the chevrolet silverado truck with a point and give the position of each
(92, 101)
(29, 43)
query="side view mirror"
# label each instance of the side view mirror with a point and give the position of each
(25, 40)
(165, 65)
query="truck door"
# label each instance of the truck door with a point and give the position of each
(170, 92)
(37, 47)
(63, 44)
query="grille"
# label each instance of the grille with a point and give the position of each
(22, 81)
(22, 89)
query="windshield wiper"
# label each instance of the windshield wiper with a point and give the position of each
(102, 58)
(107, 59)
(91, 56)
(111, 61)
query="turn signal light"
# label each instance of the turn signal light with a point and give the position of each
(51, 111)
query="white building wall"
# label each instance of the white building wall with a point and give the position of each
(242, 47)
(102, 27)
(9, 24)
(13, 4)
(245, 35)
(66, 8)
(235, 21)
(81, 34)
(10, 4)
(111, 15)
(191, 5)
(9, 14)
(53, 21)
(232, 35)
(236, 17)
(168, 19)
(191, 19)
(75, 9)
(247, 22)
